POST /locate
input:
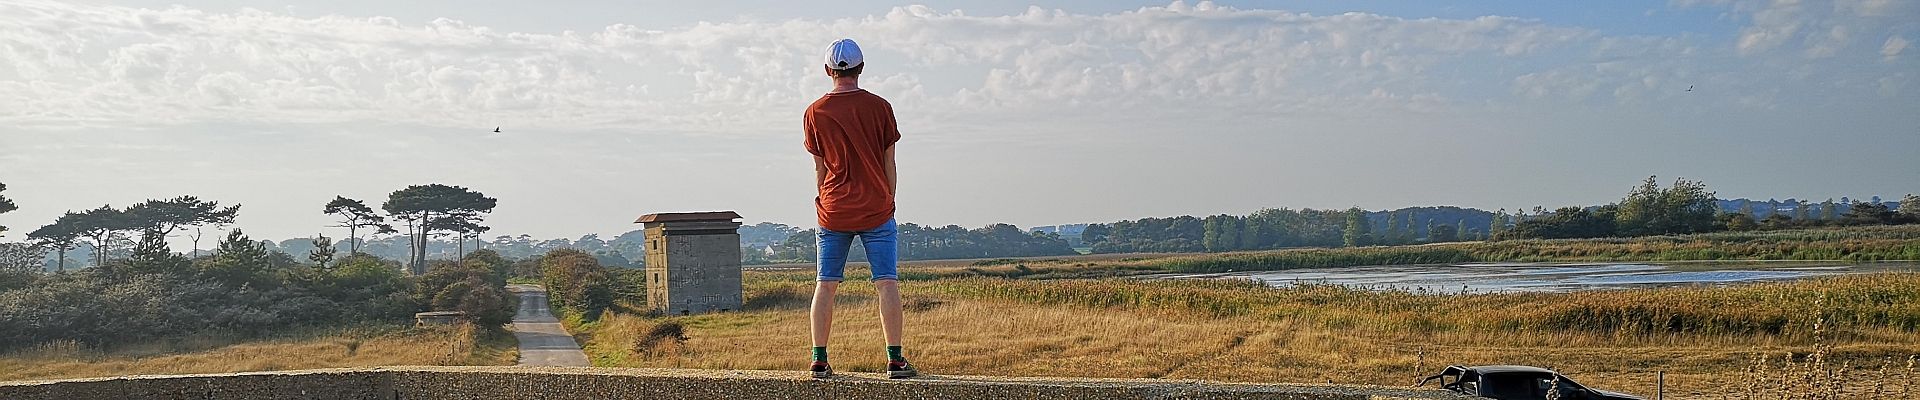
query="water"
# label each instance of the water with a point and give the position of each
(1553, 277)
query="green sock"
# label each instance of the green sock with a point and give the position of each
(819, 353)
(893, 354)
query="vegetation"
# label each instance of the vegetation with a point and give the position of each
(926, 243)
(965, 323)
(368, 345)
(475, 285)
(233, 293)
(1687, 207)
(1866, 243)
(154, 219)
(140, 291)
(433, 208)
(6, 206)
(577, 285)
(354, 215)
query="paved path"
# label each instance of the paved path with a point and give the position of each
(542, 340)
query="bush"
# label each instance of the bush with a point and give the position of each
(576, 283)
(102, 307)
(469, 285)
(1565, 223)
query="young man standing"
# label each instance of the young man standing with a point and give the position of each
(851, 133)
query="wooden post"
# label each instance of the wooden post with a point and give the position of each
(1660, 390)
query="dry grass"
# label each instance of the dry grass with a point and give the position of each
(356, 347)
(1308, 335)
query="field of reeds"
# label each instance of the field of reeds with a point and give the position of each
(362, 346)
(1711, 342)
(1867, 243)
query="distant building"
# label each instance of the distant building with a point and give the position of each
(1070, 232)
(693, 262)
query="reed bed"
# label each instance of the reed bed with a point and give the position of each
(1853, 304)
(1874, 243)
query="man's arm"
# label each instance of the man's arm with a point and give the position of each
(893, 174)
(819, 172)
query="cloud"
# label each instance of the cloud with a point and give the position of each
(1893, 47)
(70, 65)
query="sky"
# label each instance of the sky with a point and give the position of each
(1022, 112)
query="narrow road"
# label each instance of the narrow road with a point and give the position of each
(542, 340)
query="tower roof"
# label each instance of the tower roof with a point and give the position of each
(728, 216)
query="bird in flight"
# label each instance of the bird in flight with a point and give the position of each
(497, 129)
(1689, 88)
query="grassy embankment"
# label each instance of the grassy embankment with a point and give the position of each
(1009, 318)
(367, 346)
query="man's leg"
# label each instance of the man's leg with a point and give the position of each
(832, 262)
(882, 246)
(822, 314)
(891, 317)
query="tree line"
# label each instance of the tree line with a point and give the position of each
(140, 289)
(917, 242)
(1283, 228)
(1688, 207)
(1648, 209)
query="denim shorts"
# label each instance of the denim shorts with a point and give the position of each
(882, 252)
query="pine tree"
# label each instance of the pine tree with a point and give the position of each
(152, 256)
(6, 206)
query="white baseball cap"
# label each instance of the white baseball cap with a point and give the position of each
(843, 54)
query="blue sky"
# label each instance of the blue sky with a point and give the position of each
(1030, 113)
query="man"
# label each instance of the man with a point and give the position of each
(851, 133)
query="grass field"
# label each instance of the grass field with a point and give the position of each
(352, 347)
(1847, 336)
(1706, 339)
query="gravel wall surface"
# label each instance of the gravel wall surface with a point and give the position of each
(402, 383)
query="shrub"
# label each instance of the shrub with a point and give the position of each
(576, 283)
(469, 285)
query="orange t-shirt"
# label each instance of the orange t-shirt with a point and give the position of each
(852, 132)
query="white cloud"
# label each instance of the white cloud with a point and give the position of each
(76, 65)
(1823, 28)
(1893, 47)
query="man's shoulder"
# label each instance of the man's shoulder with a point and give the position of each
(857, 96)
(870, 96)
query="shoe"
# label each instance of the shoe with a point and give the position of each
(900, 369)
(821, 370)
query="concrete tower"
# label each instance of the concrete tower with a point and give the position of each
(693, 262)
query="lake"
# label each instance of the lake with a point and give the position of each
(1555, 277)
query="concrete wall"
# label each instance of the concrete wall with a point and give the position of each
(693, 267)
(401, 383)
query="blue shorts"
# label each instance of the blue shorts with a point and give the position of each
(882, 252)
